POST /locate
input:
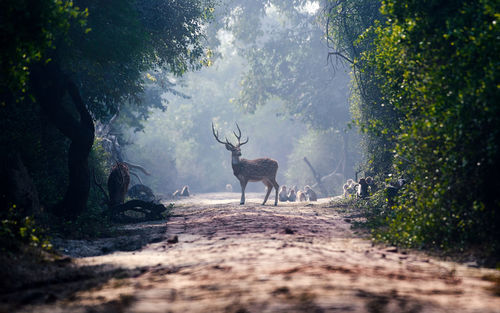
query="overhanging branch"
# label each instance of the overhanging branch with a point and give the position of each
(336, 53)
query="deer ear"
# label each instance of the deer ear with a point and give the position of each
(228, 147)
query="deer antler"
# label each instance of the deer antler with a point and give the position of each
(216, 135)
(239, 136)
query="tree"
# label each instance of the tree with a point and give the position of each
(349, 31)
(98, 67)
(287, 58)
(425, 74)
(438, 66)
(29, 29)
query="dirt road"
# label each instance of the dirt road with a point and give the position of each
(217, 256)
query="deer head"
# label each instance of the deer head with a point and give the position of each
(235, 149)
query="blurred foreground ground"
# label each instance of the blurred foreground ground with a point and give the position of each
(214, 255)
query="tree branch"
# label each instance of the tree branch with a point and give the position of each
(316, 177)
(137, 167)
(342, 56)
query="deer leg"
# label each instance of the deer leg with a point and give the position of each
(243, 184)
(269, 188)
(277, 187)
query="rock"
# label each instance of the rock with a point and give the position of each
(173, 240)
(392, 249)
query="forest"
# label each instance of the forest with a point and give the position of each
(109, 108)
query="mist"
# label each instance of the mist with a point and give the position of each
(177, 146)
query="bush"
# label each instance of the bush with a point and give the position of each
(437, 68)
(17, 231)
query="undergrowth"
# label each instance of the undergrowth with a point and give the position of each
(389, 223)
(18, 231)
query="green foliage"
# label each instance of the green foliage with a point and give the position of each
(435, 68)
(128, 39)
(426, 97)
(377, 212)
(92, 223)
(351, 36)
(284, 57)
(106, 49)
(100, 165)
(274, 47)
(17, 230)
(448, 92)
(29, 29)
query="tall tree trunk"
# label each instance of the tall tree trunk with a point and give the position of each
(49, 85)
(16, 185)
(344, 148)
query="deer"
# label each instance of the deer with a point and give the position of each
(118, 182)
(263, 169)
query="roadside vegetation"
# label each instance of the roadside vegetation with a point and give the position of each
(427, 100)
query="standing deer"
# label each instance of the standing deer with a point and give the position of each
(263, 169)
(118, 182)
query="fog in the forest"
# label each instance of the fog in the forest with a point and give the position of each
(271, 75)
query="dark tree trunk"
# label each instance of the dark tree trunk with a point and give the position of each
(49, 85)
(16, 186)
(75, 199)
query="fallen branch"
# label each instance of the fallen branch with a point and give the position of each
(151, 210)
(137, 167)
(316, 176)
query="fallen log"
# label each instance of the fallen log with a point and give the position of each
(150, 210)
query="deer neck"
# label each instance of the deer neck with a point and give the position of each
(235, 162)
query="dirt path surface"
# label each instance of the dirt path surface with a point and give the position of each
(218, 256)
